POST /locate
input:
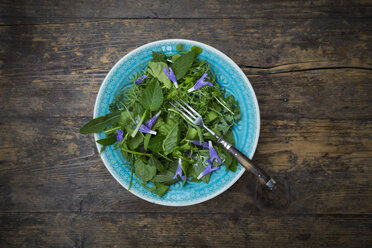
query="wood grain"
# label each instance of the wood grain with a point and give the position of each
(325, 171)
(309, 63)
(40, 12)
(276, 45)
(183, 230)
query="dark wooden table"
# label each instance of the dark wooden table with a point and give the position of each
(309, 62)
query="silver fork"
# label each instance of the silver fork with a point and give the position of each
(194, 117)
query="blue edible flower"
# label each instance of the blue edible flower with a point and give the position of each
(197, 142)
(171, 75)
(145, 129)
(152, 120)
(179, 170)
(120, 133)
(200, 83)
(208, 169)
(140, 79)
(212, 153)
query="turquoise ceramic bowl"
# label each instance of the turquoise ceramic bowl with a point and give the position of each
(229, 77)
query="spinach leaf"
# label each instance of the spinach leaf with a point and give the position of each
(135, 142)
(159, 57)
(182, 65)
(144, 171)
(159, 189)
(156, 70)
(107, 141)
(155, 162)
(146, 141)
(191, 133)
(172, 139)
(152, 96)
(99, 124)
(196, 50)
(179, 47)
(155, 144)
(166, 178)
(212, 116)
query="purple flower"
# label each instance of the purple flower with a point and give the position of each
(197, 142)
(171, 75)
(145, 129)
(212, 153)
(152, 120)
(179, 170)
(140, 79)
(208, 169)
(120, 133)
(200, 83)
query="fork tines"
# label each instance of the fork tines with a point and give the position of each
(187, 111)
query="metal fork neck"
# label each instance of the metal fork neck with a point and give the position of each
(220, 140)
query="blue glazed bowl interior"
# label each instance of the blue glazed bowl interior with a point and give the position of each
(229, 77)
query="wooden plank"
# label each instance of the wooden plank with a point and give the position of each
(182, 230)
(324, 164)
(279, 45)
(327, 94)
(35, 12)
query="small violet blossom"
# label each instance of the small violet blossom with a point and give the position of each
(145, 129)
(179, 170)
(200, 83)
(197, 142)
(120, 133)
(171, 75)
(140, 79)
(152, 120)
(207, 169)
(212, 153)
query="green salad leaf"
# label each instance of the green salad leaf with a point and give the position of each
(107, 141)
(99, 124)
(182, 65)
(144, 171)
(156, 70)
(152, 97)
(170, 142)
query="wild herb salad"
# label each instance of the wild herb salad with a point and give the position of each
(160, 146)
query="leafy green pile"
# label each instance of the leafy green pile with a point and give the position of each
(154, 158)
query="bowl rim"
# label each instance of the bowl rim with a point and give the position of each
(246, 81)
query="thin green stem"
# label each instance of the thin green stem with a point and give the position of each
(139, 124)
(223, 105)
(220, 114)
(131, 177)
(111, 130)
(143, 185)
(165, 157)
(130, 115)
(134, 152)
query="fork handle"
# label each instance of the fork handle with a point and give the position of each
(246, 162)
